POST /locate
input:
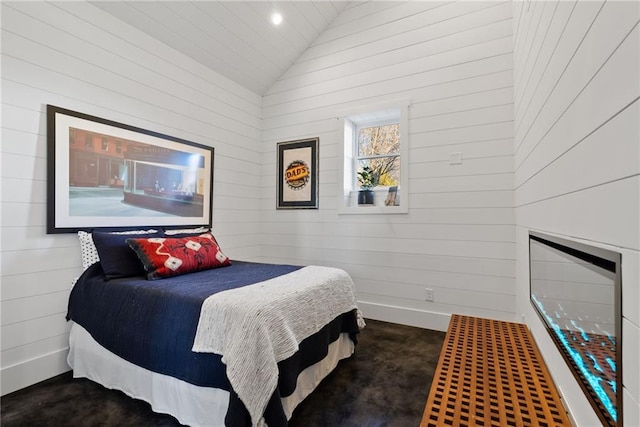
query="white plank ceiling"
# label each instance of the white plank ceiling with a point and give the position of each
(234, 38)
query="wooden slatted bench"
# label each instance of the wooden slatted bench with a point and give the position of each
(490, 373)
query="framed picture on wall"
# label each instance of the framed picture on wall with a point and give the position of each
(297, 174)
(103, 174)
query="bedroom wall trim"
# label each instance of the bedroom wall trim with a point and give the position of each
(405, 316)
(32, 371)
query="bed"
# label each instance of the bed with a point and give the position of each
(236, 344)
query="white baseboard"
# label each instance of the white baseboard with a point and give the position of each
(33, 371)
(405, 316)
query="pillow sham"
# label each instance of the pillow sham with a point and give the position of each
(88, 248)
(171, 256)
(116, 257)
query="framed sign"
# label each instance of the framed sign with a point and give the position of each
(107, 175)
(297, 174)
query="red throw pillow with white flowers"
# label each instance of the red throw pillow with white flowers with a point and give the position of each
(165, 256)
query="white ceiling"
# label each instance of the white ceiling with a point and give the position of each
(234, 38)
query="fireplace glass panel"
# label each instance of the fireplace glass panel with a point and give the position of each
(575, 289)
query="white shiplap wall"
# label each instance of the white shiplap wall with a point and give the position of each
(76, 56)
(453, 60)
(577, 157)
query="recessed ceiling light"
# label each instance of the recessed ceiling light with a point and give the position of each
(276, 18)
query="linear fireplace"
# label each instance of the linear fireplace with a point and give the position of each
(576, 290)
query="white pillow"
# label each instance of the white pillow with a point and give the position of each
(187, 230)
(88, 248)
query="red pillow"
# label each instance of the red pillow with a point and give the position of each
(166, 256)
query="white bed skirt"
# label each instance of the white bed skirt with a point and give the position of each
(189, 404)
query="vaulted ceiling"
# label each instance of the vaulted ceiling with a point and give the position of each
(234, 38)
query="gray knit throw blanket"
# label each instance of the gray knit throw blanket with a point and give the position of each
(257, 326)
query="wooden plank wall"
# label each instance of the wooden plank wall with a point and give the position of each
(74, 55)
(577, 156)
(454, 61)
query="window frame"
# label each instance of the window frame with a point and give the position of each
(349, 122)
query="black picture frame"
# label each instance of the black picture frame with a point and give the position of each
(297, 174)
(106, 175)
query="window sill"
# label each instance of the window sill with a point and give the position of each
(372, 210)
(349, 205)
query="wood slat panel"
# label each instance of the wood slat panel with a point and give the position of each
(77, 56)
(232, 38)
(577, 165)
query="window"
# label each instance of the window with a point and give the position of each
(375, 143)
(105, 144)
(377, 146)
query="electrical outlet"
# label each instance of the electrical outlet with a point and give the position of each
(428, 294)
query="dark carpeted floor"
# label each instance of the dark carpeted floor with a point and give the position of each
(385, 383)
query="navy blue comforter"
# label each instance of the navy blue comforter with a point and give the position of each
(153, 324)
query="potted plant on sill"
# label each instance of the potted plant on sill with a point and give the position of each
(367, 179)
